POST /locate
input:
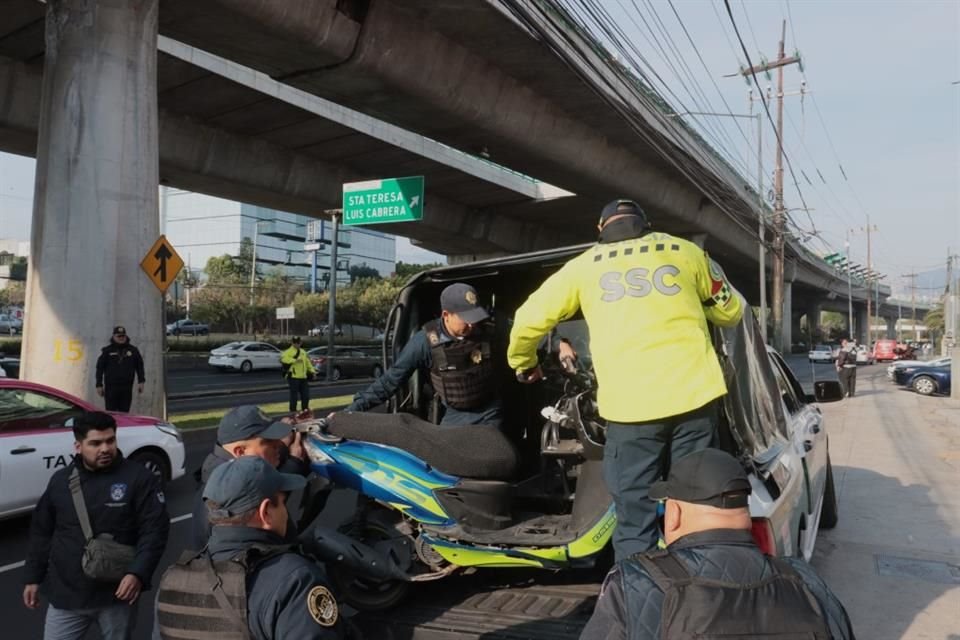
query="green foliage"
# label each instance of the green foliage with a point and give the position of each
(404, 271)
(934, 320)
(363, 271)
(14, 294)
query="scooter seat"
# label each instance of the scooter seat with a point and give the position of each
(480, 451)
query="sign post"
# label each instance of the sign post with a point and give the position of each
(285, 314)
(383, 201)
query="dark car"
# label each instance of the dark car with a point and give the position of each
(348, 362)
(9, 367)
(187, 327)
(925, 379)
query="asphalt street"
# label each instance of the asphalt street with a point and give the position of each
(892, 559)
(237, 397)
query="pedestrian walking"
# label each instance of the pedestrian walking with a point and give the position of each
(96, 537)
(712, 580)
(248, 431)
(847, 367)
(646, 298)
(248, 561)
(118, 364)
(299, 371)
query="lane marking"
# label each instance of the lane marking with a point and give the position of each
(17, 565)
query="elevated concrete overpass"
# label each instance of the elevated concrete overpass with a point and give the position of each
(497, 79)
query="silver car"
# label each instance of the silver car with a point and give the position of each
(10, 325)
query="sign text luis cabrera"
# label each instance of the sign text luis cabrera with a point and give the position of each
(381, 201)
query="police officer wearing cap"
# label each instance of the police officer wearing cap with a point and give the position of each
(117, 365)
(712, 580)
(248, 431)
(646, 298)
(455, 348)
(248, 583)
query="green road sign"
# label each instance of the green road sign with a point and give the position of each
(381, 201)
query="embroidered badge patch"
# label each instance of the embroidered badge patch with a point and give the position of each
(323, 606)
(471, 297)
(118, 491)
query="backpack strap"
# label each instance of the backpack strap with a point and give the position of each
(663, 568)
(76, 491)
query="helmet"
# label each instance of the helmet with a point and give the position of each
(623, 207)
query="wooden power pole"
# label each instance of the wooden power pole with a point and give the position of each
(779, 211)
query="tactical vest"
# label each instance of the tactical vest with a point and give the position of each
(200, 599)
(462, 370)
(779, 607)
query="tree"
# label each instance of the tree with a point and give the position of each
(14, 294)
(404, 271)
(363, 271)
(376, 301)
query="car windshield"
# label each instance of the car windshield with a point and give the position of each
(22, 404)
(231, 346)
(822, 347)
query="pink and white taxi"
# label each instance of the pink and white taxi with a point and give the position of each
(36, 439)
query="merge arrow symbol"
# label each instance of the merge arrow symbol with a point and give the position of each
(162, 254)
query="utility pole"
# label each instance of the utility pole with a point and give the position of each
(850, 329)
(779, 214)
(871, 277)
(913, 301)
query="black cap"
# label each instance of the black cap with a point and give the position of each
(243, 423)
(119, 330)
(711, 477)
(461, 299)
(242, 484)
(295, 340)
(622, 208)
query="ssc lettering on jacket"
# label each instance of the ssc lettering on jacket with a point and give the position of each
(638, 283)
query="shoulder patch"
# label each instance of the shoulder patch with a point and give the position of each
(323, 606)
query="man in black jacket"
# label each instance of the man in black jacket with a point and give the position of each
(117, 365)
(123, 499)
(712, 579)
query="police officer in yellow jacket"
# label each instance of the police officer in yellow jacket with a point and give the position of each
(299, 370)
(646, 298)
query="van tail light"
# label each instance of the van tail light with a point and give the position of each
(762, 532)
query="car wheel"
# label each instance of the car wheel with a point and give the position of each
(924, 386)
(205, 332)
(154, 462)
(246, 367)
(336, 374)
(377, 371)
(176, 332)
(828, 513)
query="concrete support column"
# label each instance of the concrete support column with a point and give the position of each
(787, 316)
(814, 310)
(862, 322)
(891, 328)
(95, 210)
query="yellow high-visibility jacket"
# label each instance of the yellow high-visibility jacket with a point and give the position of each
(299, 362)
(646, 302)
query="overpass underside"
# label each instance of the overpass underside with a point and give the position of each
(300, 97)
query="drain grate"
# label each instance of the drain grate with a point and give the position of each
(927, 570)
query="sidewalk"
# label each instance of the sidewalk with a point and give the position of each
(894, 558)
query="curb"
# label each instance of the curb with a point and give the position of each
(190, 395)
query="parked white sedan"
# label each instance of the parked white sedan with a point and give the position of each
(245, 356)
(36, 439)
(821, 353)
(865, 355)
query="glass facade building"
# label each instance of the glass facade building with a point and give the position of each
(201, 227)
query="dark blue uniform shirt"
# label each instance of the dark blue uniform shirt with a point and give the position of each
(285, 593)
(416, 355)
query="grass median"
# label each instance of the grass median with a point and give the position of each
(209, 418)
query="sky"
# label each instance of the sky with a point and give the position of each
(881, 74)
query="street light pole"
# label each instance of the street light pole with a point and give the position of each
(331, 309)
